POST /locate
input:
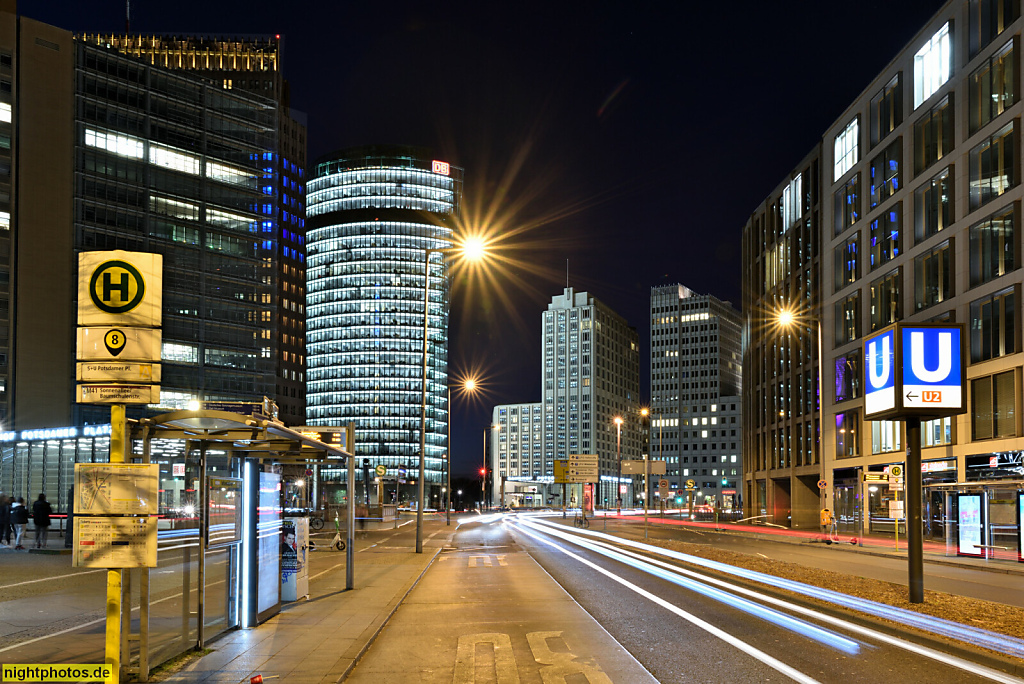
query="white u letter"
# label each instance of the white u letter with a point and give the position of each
(877, 380)
(945, 357)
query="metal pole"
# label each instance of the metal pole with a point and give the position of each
(423, 402)
(915, 533)
(350, 526)
(204, 533)
(112, 650)
(448, 463)
(618, 457)
(483, 476)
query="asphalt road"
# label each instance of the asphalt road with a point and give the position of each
(681, 634)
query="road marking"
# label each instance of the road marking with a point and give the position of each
(487, 560)
(739, 644)
(313, 577)
(47, 579)
(505, 669)
(561, 664)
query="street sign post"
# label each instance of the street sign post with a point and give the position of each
(914, 371)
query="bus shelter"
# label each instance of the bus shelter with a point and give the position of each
(219, 532)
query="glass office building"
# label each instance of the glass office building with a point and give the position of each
(372, 213)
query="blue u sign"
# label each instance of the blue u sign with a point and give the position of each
(931, 367)
(881, 377)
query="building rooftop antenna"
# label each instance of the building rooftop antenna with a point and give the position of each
(127, 17)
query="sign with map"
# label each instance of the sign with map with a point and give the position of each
(116, 488)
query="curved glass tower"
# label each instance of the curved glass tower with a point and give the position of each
(371, 214)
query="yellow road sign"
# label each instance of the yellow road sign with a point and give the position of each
(120, 288)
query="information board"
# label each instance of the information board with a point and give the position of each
(970, 525)
(116, 488)
(114, 542)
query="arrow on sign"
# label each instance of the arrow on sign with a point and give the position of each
(911, 396)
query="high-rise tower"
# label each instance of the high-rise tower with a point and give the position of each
(373, 212)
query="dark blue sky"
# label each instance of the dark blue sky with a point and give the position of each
(633, 139)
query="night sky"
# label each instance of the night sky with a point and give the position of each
(631, 139)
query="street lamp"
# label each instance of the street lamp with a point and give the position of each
(471, 249)
(787, 318)
(618, 457)
(645, 413)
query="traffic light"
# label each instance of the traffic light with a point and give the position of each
(483, 471)
(724, 482)
(679, 500)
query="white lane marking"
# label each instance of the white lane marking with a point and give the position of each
(313, 577)
(739, 644)
(505, 669)
(47, 579)
(924, 651)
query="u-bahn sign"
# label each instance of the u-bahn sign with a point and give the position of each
(120, 288)
(914, 370)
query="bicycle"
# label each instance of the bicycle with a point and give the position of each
(316, 521)
(581, 521)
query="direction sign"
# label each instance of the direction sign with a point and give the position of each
(567, 473)
(636, 467)
(914, 370)
(120, 344)
(381, 470)
(120, 288)
(118, 394)
(582, 459)
(875, 477)
(100, 371)
(933, 378)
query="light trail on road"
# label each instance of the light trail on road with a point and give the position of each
(739, 644)
(667, 571)
(999, 643)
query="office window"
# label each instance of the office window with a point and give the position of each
(887, 109)
(885, 436)
(989, 18)
(993, 87)
(932, 65)
(846, 151)
(847, 376)
(885, 300)
(994, 325)
(846, 434)
(933, 205)
(792, 203)
(993, 406)
(933, 134)
(847, 204)
(936, 432)
(992, 167)
(847, 262)
(847, 322)
(994, 246)
(884, 243)
(933, 276)
(884, 172)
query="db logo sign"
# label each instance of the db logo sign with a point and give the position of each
(931, 396)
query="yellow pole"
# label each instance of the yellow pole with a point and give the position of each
(113, 637)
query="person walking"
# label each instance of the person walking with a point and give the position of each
(5, 520)
(19, 518)
(41, 512)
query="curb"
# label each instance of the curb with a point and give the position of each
(391, 613)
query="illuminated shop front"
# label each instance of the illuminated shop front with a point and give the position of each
(372, 214)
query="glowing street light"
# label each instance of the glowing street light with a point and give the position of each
(618, 457)
(471, 249)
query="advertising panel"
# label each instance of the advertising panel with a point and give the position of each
(268, 534)
(1020, 527)
(970, 526)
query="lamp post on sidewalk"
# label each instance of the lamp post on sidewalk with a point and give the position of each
(618, 458)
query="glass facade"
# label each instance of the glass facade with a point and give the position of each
(168, 163)
(373, 213)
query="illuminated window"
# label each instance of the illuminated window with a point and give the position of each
(993, 249)
(170, 158)
(932, 65)
(933, 204)
(887, 110)
(5, 220)
(124, 145)
(992, 167)
(5, 112)
(792, 204)
(885, 436)
(846, 149)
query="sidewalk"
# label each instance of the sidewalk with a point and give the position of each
(318, 640)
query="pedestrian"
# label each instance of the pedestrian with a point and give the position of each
(5, 520)
(19, 518)
(41, 512)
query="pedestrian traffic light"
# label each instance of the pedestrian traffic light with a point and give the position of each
(483, 471)
(679, 499)
(724, 482)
